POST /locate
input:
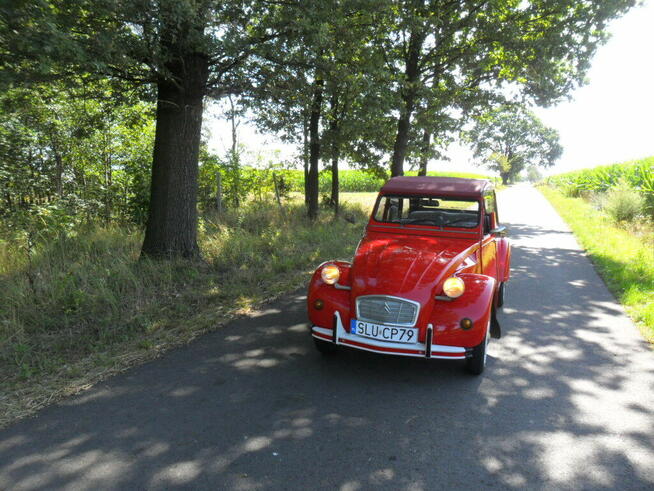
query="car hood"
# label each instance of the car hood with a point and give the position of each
(405, 266)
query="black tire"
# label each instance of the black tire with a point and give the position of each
(500, 295)
(325, 347)
(476, 363)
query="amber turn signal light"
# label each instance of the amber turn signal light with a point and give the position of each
(318, 304)
(466, 323)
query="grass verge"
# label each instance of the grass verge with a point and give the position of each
(80, 306)
(624, 256)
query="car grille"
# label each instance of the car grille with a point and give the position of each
(383, 309)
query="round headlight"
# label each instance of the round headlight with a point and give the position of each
(453, 287)
(330, 274)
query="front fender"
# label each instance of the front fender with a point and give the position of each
(503, 259)
(333, 299)
(475, 304)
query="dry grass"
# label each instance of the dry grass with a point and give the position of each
(79, 307)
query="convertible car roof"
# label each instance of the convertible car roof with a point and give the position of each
(436, 186)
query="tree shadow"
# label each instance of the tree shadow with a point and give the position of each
(565, 403)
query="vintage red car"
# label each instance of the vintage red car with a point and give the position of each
(426, 278)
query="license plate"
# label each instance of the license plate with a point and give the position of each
(384, 333)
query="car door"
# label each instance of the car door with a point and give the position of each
(489, 242)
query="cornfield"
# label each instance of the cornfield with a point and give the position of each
(356, 181)
(638, 175)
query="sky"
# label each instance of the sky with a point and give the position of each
(608, 120)
(612, 118)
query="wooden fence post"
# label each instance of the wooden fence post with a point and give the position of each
(219, 193)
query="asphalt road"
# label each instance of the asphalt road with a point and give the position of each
(566, 402)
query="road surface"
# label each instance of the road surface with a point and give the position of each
(566, 402)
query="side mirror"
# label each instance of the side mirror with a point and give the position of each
(500, 231)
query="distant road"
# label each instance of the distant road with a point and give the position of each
(567, 401)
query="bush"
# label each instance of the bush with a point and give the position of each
(624, 203)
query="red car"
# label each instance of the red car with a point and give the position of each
(426, 279)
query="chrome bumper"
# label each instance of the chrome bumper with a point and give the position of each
(338, 335)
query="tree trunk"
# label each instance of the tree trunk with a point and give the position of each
(409, 94)
(171, 228)
(335, 184)
(108, 183)
(402, 138)
(235, 156)
(334, 130)
(219, 193)
(314, 149)
(305, 158)
(426, 138)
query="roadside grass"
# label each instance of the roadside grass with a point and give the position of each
(365, 200)
(78, 307)
(623, 255)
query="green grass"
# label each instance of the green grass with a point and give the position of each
(624, 256)
(79, 306)
(356, 181)
(365, 200)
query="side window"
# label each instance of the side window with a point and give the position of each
(489, 205)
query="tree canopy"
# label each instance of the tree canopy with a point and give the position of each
(377, 82)
(510, 138)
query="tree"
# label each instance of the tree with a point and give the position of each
(453, 57)
(509, 138)
(87, 156)
(184, 50)
(319, 88)
(533, 174)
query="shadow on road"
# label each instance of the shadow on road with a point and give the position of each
(254, 406)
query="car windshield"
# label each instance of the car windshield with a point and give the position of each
(428, 210)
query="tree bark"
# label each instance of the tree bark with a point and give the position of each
(234, 156)
(412, 73)
(314, 149)
(305, 158)
(335, 184)
(108, 182)
(171, 228)
(334, 131)
(426, 138)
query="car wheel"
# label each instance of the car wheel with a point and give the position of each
(500, 294)
(325, 347)
(476, 363)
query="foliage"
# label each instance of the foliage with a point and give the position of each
(455, 57)
(77, 303)
(351, 180)
(623, 203)
(243, 183)
(624, 258)
(639, 175)
(401, 71)
(89, 157)
(509, 138)
(533, 174)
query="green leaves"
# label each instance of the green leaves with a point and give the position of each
(509, 138)
(638, 175)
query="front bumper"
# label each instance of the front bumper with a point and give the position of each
(338, 335)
